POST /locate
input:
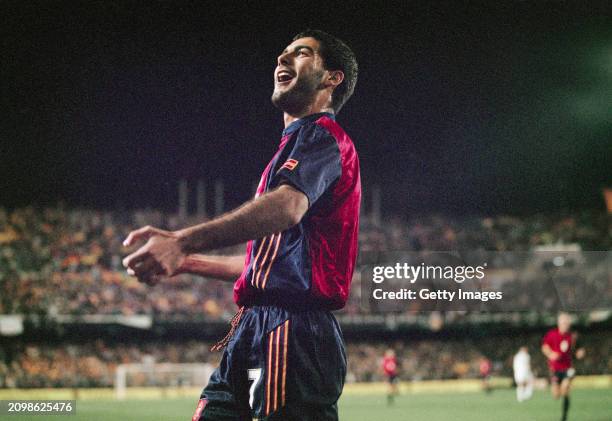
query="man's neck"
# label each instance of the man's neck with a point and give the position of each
(290, 118)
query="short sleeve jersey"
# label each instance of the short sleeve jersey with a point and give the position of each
(310, 264)
(562, 343)
(389, 366)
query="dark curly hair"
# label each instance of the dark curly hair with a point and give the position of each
(336, 56)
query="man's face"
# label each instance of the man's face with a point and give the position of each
(564, 322)
(298, 76)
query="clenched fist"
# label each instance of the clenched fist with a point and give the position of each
(161, 255)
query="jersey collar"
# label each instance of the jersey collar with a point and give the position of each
(309, 118)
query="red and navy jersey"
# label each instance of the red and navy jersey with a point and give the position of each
(562, 343)
(310, 264)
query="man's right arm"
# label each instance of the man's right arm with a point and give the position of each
(225, 268)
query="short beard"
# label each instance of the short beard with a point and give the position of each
(296, 100)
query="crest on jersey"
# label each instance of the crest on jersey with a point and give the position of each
(290, 164)
(564, 346)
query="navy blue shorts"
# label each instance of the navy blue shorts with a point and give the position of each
(279, 365)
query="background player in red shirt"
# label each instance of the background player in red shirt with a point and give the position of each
(485, 367)
(559, 345)
(390, 368)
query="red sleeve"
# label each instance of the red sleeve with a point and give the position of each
(547, 338)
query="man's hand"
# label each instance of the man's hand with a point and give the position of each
(160, 255)
(580, 353)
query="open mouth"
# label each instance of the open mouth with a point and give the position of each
(284, 77)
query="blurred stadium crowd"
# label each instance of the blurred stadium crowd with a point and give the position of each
(68, 262)
(57, 261)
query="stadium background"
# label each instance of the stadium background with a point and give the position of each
(491, 131)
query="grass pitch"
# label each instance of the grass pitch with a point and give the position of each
(501, 405)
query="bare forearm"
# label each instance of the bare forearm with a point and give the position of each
(271, 213)
(225, 268)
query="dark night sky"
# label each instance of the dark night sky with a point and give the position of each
(459, 108)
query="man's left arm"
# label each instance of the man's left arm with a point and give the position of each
(270, 213)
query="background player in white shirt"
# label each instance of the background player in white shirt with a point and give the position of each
(523, 377)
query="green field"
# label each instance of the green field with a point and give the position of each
(587, 405)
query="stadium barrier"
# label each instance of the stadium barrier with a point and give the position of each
(425, 386)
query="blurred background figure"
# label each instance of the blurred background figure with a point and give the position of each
(521, 364)
(390, 369)
(559, 346)
(485, 374)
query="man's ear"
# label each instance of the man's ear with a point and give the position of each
(335, 78)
